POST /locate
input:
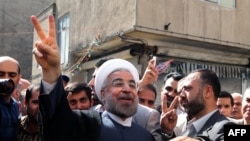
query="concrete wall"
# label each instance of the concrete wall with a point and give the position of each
(89, 17)
(207, 21)
(16, 30)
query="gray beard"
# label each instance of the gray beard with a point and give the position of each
(122, 111)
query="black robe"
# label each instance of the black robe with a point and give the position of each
(59, 122)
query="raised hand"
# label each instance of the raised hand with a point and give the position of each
(150, 75)
(168, 118)
(46, 50)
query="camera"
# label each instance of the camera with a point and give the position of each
(7, 86)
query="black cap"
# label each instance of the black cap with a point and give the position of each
(65, 78)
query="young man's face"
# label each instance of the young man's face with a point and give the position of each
(224, 106)
(146, 97)
(79, 101)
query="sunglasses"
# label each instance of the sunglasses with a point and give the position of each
(170, 89)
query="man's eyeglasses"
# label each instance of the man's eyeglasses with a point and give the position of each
(122, 83)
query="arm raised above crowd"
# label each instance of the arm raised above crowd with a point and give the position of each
(150, 75)
(46, 50)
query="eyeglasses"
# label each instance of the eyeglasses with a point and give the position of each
(170, 89)
(121, 83)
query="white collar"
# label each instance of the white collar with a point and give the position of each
(127, 122)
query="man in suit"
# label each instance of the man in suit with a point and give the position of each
(198, 93)
(117, 89)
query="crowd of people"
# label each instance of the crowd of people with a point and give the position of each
(116, 104)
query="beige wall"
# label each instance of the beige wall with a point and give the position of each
(198, 18)
(87, 17)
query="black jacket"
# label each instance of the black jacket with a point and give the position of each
(59, 122)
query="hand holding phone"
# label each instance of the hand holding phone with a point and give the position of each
(154, 58)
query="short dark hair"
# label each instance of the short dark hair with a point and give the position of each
(101, 61)
(65, 78)
(209, 77)
(76, 87)
(175, 75)
(225, 94)
(151, 87)
(29, 90)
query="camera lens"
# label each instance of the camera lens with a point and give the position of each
(6, 86)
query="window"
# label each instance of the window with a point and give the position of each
(226, 3)
(63, 38)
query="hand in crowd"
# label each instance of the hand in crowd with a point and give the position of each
(150, 75)
(46, 50)
(168, 118)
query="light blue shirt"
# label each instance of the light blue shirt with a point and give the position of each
(198, 124)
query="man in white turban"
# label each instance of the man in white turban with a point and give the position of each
(146, 117)
(116, 85)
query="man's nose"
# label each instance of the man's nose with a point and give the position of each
(79, 106)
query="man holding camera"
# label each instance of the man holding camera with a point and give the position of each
(9, 113)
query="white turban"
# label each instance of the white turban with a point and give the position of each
(108, 67)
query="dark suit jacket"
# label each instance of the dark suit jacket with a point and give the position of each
(58, 122)
(213, 129)
(113, 131)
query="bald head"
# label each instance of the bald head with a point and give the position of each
(9, 69)
(12, 61)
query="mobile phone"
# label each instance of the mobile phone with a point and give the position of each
(154, 57)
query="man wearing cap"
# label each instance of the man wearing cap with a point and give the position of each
(117, 89)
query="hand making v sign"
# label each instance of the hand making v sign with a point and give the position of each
(46, 50)
(168, 116)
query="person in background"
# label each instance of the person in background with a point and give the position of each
(78, 95)
(225, 103)
(29, 126)
(237, 107)
(169, 88)
(65, 80)
(246, 107)
(9, 111)
(147, 95)
(22, 85)
(96, 101)
(22, 106)
(198, 93)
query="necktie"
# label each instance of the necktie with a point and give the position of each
(191, 131)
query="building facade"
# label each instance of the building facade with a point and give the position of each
(16, 31)
(195, 33)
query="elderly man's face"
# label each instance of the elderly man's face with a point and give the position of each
(120, 94)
